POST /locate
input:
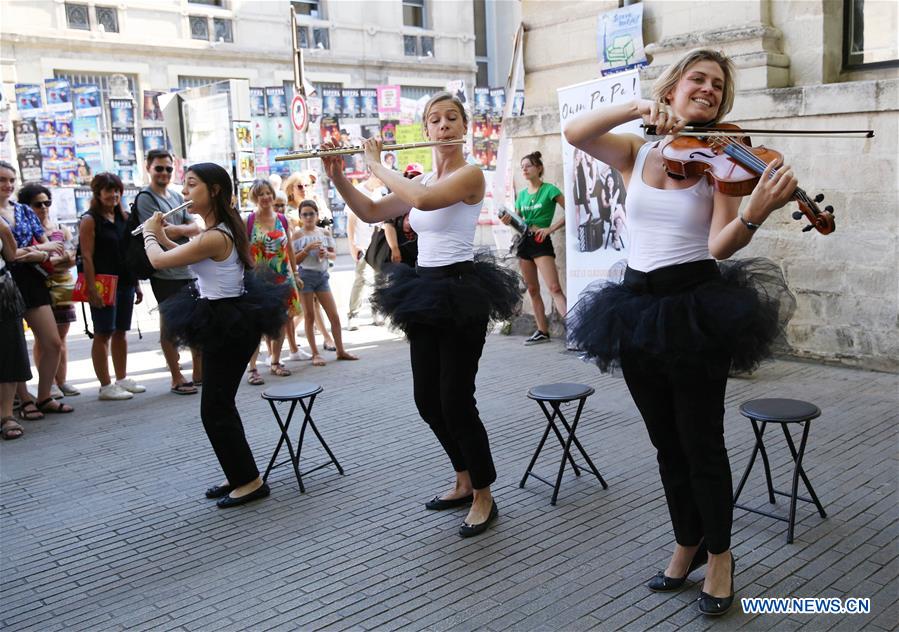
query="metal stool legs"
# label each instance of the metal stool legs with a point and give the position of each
(798, 472)
(566, 446)
(285, 438)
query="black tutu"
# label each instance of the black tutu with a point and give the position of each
(463, 293)
(686, 315)
(210, 324)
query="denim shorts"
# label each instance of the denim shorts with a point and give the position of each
(115, 317)
(314, 281)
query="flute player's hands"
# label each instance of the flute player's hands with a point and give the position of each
(373, 149)
(333, 164)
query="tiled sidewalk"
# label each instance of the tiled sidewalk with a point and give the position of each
(104, 524)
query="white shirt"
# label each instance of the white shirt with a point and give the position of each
(667, 226)
(364, 230)
(220, 279)
(446, 235)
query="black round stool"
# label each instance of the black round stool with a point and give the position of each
(296, 393)
(783, 412)
(556, 395)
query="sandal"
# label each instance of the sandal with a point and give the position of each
(317, 360)
(30, 412)
(255, 379)
(330, 347)
(280, 370)
(185, 388)
(10, 429)
(346, 355)
(60, 408)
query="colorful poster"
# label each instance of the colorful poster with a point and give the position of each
(68, 173)
(243, 136)
(595, 216)
(152, 111)
(331, 102)
(83, 197)
(257, 102)
(152, 138)
(388, 101)
(620, 39)
(121, 115)
(330, 129)
(388, 130)
(90, 161)
(87, 100)
(275, 102)
(63, 125)
(50, 173)
(28, 100)
(280, 132)
(123, 148)
(412, 133)
(46, 129)
(481, 100)
(86, 130)
(59, 95)
(497, 101)
(7, 147)
(283, 168)
(260, 131)
(368, 98)
(246, 166)
(65, 148)
(351, 107)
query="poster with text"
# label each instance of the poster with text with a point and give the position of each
(275, 102)
(620, 39)
(152, 138)
(331, 102)
(368, 98)
(83, 197)
(257, 102)
(30, 163)
(350, 108)
(388, 101)
(481, 100)
(87, 100)
(28, 100)
(121, 115)
(596, 237)
(152, 111)
(412, 133)
(124, 151)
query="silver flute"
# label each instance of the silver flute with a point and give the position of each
(140, 229)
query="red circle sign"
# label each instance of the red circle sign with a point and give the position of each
(299, 113)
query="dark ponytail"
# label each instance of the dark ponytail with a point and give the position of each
(220, 188)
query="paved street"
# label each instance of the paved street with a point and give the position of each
(104, 524)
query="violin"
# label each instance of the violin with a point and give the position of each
(725, 155)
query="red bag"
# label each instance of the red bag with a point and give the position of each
(106, 285)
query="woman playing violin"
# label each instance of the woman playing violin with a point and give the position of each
(679, 322)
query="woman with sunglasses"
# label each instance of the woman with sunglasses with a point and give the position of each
(60, 281)
(31, 279)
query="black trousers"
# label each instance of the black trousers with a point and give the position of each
(444, 366)
(683, 409)
(223, 368)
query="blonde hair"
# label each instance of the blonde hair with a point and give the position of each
(258, 185)
(673, 73)
(289, 187)
(437, 98)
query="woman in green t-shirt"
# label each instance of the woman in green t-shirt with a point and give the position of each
(536, 204)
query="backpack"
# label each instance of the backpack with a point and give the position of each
(135, 255)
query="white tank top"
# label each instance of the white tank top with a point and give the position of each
(445, 235)
(666, 226)
(220, 279)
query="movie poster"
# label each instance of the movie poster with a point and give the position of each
(59, 95)
(121, 115)
(481, 100)
(83, 197)
(30, 163)
(28, 100)
(257, 102)
(87, 100)
(331, 103)
(124, 151)
(368, 98)
(152, 138)
(330, 129)
(152, 111)
(275, 101)
(351, 106)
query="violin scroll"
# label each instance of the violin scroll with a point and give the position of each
(822, 221)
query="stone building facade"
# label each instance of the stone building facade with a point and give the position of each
(790, 75)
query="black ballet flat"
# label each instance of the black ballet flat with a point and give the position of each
(716, 606)
(663, 583)
(469, 530)
(227, 501)
(438, 504)
(218, 491)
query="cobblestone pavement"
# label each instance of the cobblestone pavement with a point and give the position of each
(104, 524)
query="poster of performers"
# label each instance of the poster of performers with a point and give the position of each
(595, 217)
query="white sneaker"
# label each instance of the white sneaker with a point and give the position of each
(114, 392)
(130, 385)
(351, 324)
(298, 355)
(68, 389)
(56, 392)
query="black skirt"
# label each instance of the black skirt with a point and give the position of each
(686, 315)
(32, 284)
(460, 294)
(203, 323)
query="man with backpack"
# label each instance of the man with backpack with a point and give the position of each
(165, 283)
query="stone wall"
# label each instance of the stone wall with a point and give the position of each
(846, 283)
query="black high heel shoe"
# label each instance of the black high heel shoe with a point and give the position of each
(663, 583)
(716, 606)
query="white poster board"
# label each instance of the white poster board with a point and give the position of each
(595, 218)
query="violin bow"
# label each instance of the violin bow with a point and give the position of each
(798, 133)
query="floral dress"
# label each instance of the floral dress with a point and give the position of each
(269, 247)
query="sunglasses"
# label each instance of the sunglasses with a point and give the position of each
(307, 214)
(280, 205)
(45, 204)
(161, 169)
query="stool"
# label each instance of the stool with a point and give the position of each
(296, 393)
(556, 395)
(783, 412)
